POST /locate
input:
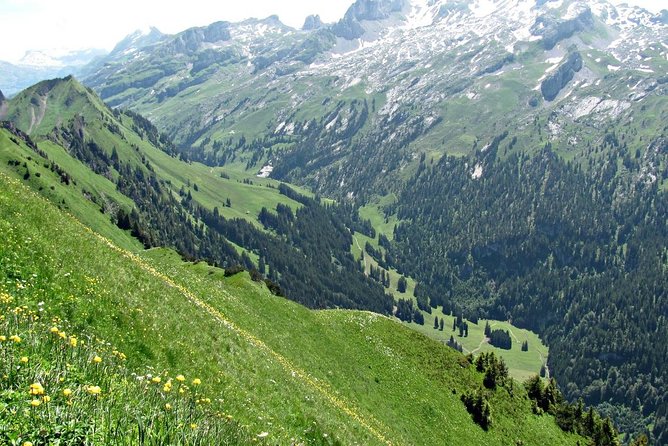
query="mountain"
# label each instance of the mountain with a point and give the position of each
(419, 68)
(510, 155)
(153, 347)
(38, 65)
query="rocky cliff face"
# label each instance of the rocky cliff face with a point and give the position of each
(554, 83)
(554, 30)
(312, 22)
(350, 27)
(192, 39)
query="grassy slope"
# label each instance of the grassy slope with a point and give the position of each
(213, 190)
(522, 365)
(277, 366)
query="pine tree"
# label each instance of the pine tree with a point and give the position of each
(441, 325)
(488, 329)
(402, 284)
(435, 322)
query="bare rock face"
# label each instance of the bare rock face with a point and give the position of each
(190, 40)
(312, 22)
(554, 30)
(350, 27)
(553, 84)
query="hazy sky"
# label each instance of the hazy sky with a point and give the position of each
(77, 24)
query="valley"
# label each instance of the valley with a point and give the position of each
(330, 227)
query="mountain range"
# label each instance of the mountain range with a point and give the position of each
(507, 159)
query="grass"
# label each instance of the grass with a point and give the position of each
(521, 365)
(62, 388)
(324, 377)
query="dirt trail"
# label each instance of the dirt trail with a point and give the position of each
(547, 369)
(363, 253)
(485, 340)
(41, 111)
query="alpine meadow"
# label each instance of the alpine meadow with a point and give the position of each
(429, 222)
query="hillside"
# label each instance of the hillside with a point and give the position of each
(264, 362)
(510, 157)
(394, 80)
(204, 213)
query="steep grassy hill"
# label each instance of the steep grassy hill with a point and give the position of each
(120, 162)
(285, 373)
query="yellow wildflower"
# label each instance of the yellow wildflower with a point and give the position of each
(54, 330)
(36, 389)
(27, 443)
(156, 379)
(46, 398)
(193, 426)
(62, 335)
(35, 403)
(67, 392)
(24, 359)
(3, 338)
(73, 341)
(15, 338)
(168, 406)
(167, 387)
(97, 359)
(93, 390)
(197, 382)
(180, 378)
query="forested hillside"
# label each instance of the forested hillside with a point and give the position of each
(577, 255)
(123, 346)
(309, 257)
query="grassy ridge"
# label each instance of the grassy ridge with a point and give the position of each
(277, 367)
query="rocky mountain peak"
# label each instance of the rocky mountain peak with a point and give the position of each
(137, 40)
(312, 22)
(350, 26)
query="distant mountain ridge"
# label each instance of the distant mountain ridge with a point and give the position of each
(37, 65)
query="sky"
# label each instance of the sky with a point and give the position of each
(60, 25)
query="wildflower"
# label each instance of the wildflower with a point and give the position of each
(15, 338)
(27, 443)
(93, 390)
(62, 335)
(54, 330)
(73, 341)
(193, 426)
(197, 382)
(36, 389)
(24, 359)
(35, 403)
(168, 406)
(156, 379)
(67, 392)
(97, 359)
(167, 387)
(3, 338)
(180, 378)
(182, 390)
(46, 398)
